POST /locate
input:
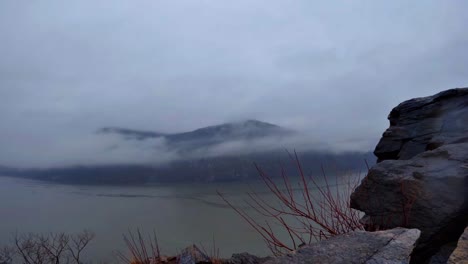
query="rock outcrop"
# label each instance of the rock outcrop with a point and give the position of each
(421, 180)
(390, 246)
(359, 247)
(460, 254)
(246, 258)
(425, 123)
(193, 255)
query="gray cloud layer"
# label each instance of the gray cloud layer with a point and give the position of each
(333, 69)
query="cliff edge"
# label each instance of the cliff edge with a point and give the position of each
(421, 178)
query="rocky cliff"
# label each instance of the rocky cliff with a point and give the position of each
(421, 179)
(359, 247)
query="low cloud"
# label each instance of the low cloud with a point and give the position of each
(93, 149)
(111, 149)
(332, 69)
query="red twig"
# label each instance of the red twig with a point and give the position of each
(311, 212)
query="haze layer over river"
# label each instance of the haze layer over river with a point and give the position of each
(181, 214)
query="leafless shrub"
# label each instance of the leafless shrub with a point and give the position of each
(31, 249)
(6, 255)
(52, 248)
(78, 243)
(310, 212)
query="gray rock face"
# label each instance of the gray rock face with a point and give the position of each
(460, 255)
(421, 180)
(246, 258)
(193, 255)
(427, 192)
(390, 246)
(425, 123)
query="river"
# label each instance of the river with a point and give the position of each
(181, 214)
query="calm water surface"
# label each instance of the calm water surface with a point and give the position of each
(181, 214)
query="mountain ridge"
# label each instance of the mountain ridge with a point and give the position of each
(247, 129)
(224, 152)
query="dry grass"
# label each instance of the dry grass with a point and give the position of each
(141, 251)
(147, 251)
(213, 254)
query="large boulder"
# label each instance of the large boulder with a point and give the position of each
(421, 180)
(428, 192)
(426, 123)
(390, 246)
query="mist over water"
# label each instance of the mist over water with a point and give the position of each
(181, 214)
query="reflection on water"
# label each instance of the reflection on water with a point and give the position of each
(181, 214)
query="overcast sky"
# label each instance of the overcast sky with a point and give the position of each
(332, 68)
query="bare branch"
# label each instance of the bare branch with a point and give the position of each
(314, 211)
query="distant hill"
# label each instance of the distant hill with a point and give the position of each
(211, 135)
(198, 167)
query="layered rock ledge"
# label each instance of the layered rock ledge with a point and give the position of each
(422, 124)
(359, 247)
(421, 179)
(391, 246)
